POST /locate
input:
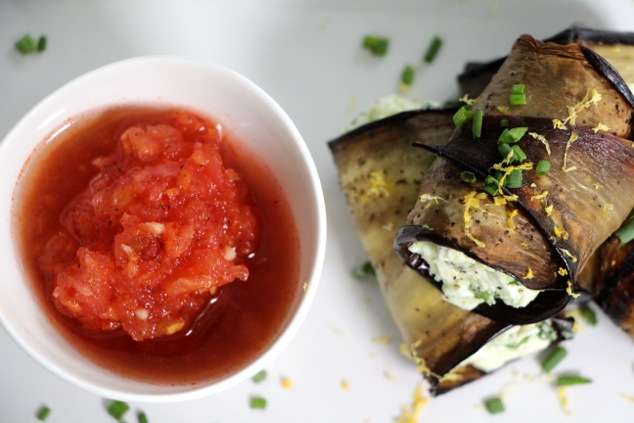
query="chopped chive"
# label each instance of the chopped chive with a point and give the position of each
(26, 44)
(588, 315)
(492, 191)
(432, 50)
(462, 116)
(519, 154)
(363, 270)
(505, 150)
(514, 179)
(518, 89)
(258, 403)
(569, 380)
(554, 358)
(626, 233)
(407, 75)
(117, 409)
(41, 43)
(517, 99)
(494, 405)
(468, 177)
(542, 168)
(504, 123)
(43, 413)
(259, 376)
(476, 126)
(141, 417)
(513, 135)
(377, 45)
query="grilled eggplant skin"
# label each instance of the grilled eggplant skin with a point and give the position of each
(611, 285)
(616, 47)
(380, 173)
(577, 205)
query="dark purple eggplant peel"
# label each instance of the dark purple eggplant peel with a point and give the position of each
(559, 220)
(616, 47)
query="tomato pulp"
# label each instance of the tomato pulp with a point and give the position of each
(149, 233)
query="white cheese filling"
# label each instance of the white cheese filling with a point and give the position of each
(467, 283)
(516, 342)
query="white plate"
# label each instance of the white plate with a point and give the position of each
(307, 55)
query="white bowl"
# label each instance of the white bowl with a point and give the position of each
(213, 91)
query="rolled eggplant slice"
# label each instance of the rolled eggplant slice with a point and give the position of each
(570, 105)
(617, 48)
(611, 284)
(380, 173)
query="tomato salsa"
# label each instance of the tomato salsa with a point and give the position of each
(152, 238)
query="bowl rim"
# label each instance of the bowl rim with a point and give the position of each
(296, 319)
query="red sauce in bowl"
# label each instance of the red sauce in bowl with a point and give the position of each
(158, 247)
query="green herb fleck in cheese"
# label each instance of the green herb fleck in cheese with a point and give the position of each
(467, 283)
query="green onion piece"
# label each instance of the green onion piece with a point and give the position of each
(258, 403)
(513, 135)
(514, 179)
(432, 50)
(518, 89)
(468, 177)
(476, 126)
(26, 44)
(363, 270)
(41, 43)
(141, 417)
(259, 376)
(43, 413)
(626, 233)
(571, 380)
(377, 45)
(504, 123)
(542, 168)
(492, 191)
(517, 99)
(117, 409)
(519, 154)
(494, 405)
(588, 315)
(462, 116)
(554, 358)
(407, 75)
(505, 150)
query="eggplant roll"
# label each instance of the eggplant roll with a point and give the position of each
(380, 173)
(513, 252)
(617, 48)
(610, 282)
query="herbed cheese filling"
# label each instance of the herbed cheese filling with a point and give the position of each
(516, 342)
(467, 283)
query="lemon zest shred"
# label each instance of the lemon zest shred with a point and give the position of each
(592, 97)
(529, 274)
(510, 216)
(569, 254)
(563, 399)
(378, 185)
(542, 139)
(571, 292)
(541, 196)
(425, 198)
(470, 200)
(601, 127)
(561, 232)
(467, 100)
(411, 413)
(507, 170)
(503, 109)
(549, 210)
(562, 271)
